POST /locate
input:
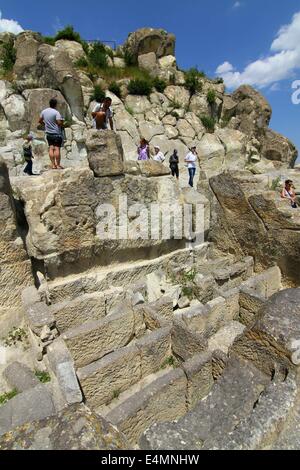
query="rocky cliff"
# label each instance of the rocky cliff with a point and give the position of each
(116, 334)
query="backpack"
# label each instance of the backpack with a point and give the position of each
(27, 152)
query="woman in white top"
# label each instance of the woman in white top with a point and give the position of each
(288, 192)
(159, 156)
(191, 159)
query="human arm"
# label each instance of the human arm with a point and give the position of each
(111, 122)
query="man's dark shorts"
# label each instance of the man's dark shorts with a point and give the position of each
(54, 140)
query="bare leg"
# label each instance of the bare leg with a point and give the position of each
(57, 157)
(52, 156)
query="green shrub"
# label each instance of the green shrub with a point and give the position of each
(192, 81)
(208, 122)
(211, 97)
(69, 34)
(175, 114)
(8, 56)
(43, 377)
(15, 336)
(159, 84)
(115, 89)
(97, 55)
(98, 94)
(49, 40)
(174, 104)
(140, 87)
(5, 397)
(82, 62)
(129, 110)
(130, 59)
(275, 184)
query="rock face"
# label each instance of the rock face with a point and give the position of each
(278, 148)
(75, 428)
(55, 70)
(72, 48)
(15, 272)
(256, 224)
(38, 99)
(27, 45)
(105, 153)
(146, 40)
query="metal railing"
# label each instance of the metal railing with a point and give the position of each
(112, 44)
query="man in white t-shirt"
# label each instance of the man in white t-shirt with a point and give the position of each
(159, 156)
(102, 115)
(191, 160)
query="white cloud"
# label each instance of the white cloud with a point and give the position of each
(10, 26)
(273, 68)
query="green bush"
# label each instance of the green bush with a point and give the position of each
(115, 89)
(97, 56)
(140, 87)
(129, 58)
(211, 97)
(98, 94)
(82, 62)
(8, 56)
(208, 122)
(43, 377)
(159, 84)
(49, 40)
(69, 34)
(5, 397)
(192, 81)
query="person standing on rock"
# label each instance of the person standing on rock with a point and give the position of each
(159, 156)
(28, 155)
(191, 159)
(143, 150)
(102, 114)
(54, 123)
(174, 162)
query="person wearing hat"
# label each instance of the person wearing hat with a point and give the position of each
(28, 155)
(159, 156)
(191, 159)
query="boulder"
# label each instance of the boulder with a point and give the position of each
(211, 154)
(27, 45)
(75, 428)
(167, 62)
(38, 99)
(277, 148)
(55, 70)
(199, 105)
(234, 143)
(252, 109)
(148, 130)
(178, 95)
(14, 107)
(138, 104)
(147, 40)
(185, 129)
(20, 377)
(105, 153)
(119, 62)
(72, 48)
(151, 168)
(148, 62)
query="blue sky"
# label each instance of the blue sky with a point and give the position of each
(244, 40)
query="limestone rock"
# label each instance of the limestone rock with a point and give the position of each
(167, 62)
(119, 62)
(199, 105)
(138, 104)
(26, 44)
(72, 48)
(148, 40)
(37, 100)
(253, 110)
(148, 62)
(20, 377)
(185, 129)
(15, 112)
(75, 428)
(278, 148)
(55, 70)
(105, 153)
(148, 130)
(151, 168)
(177, 94)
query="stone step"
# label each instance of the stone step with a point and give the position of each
(118, 371)
(161, 400)
(225, 337)
(119, 275)
(87, 307)
(93, 340)
(231, 400)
